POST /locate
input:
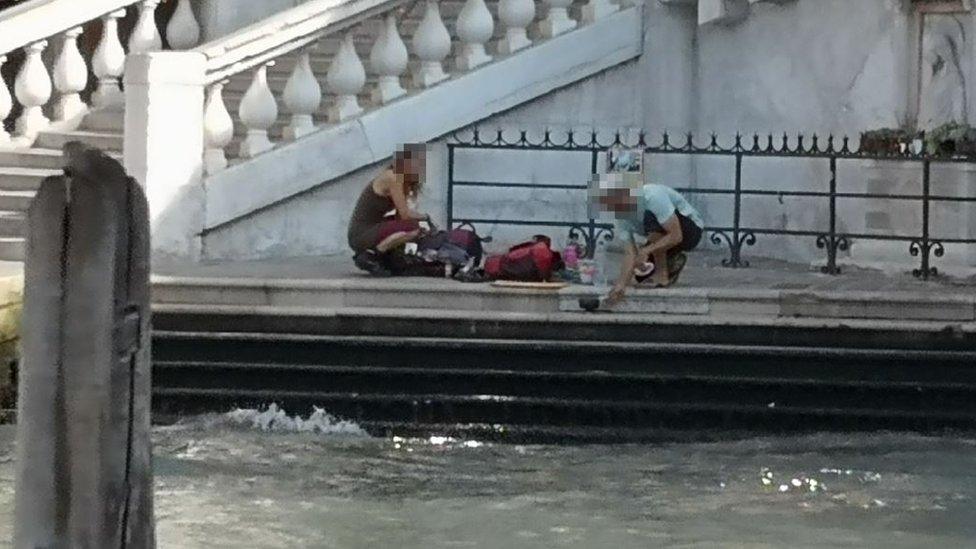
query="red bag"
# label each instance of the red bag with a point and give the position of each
(527, 262)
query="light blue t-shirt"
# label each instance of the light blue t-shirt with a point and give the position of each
(661, 201)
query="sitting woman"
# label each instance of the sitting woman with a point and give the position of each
(371, 232)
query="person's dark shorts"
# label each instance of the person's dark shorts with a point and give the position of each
(691, 233)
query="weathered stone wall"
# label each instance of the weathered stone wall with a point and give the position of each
(810, 66)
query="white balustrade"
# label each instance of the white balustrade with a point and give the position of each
(258, 111)
(474, 27)
(6, 104)
(516, 16)
(598, 9)
(345, 79)
(388, 59)
(218, 130)
(145, 36)
(108, 64)
(302, 97)
(432, 44)
(33, 89)
(183, 31)
(70, 79)
(557, 21)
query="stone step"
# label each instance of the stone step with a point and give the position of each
(12, 224)
(24, 179)
(12, 249)
(15, 201)
(105, 121)
(32, 158)
(106, 141)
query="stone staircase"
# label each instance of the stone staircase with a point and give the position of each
(21, 173)
(298, 84)
(49, 90)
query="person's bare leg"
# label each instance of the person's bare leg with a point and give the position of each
(660, 258)
(396, 239)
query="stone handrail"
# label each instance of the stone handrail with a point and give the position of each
(35, 20)
(292, 36)
(285, 32)
(35, 24)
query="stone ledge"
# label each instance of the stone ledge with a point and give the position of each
(444, 295)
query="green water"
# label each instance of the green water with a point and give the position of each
(221, 485)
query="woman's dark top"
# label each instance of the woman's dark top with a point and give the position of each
(367, 217)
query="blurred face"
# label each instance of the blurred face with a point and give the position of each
(618, 201)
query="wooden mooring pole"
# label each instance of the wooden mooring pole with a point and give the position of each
(84, 468)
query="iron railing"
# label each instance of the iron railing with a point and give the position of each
(739, 234)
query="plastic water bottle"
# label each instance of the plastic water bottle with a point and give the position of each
(600, 257)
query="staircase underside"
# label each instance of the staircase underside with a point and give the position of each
(336, 150)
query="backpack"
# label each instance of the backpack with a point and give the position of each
(451, 245)
(532, 261)
(457, 251)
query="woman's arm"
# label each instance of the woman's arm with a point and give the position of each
(626, 273)
(399, 196)
(672, 237)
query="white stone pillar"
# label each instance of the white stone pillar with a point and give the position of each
(557, 21)
(597, 9)
(516, 16)
(258, 111)
(302, 97)
(70, 79)
(432, 44)
(145, 35)
(345, 79)
(33, 89)
(183, 31)
(163, 146)
(218, 130)
(388, 59)
(474, 27)
(6, 105)
(108, 64)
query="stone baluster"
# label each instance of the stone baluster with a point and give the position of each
(388, 59)
(474, 27)
(183, 31)
(258, 111)
(598, 9)
(302, 98)
(557, 21)
(70, 79)
(432, 44)
(218, 129)
(33, 89)
(6, 104)
(145, 36)
(516, 16)
(108, 64)
(345, 79)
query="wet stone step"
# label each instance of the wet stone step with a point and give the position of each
(593, 386)
(440, 409)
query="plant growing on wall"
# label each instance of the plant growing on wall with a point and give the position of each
(951, 139)
(887, 141)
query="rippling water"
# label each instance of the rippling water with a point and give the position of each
(221, 484)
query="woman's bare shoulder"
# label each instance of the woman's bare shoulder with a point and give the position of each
(384, 179)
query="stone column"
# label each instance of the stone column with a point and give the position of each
(668, 79)
(163, 147)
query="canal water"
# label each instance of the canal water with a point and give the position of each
(250, 480)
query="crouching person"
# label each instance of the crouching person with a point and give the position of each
(656, 224)
(372, 232)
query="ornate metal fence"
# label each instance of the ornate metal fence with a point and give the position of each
(740, 233)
